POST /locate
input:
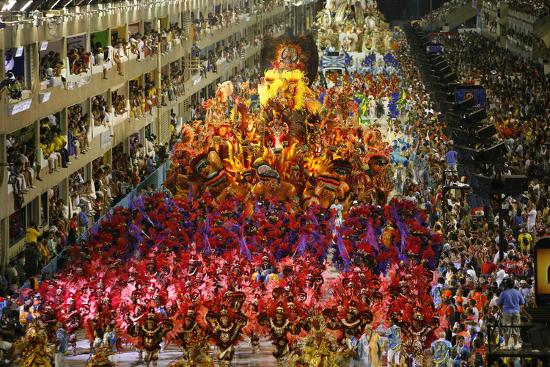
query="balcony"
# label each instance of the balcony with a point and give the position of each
(93, 83)
(103, 138)
(87, 19)
(53, 25)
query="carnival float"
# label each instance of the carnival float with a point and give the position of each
(280, 221)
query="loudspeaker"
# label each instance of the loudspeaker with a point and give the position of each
(441, 64)
(480, 184)
(464, 105)
(493, 153)
(487, 132)
(460, 136)
(475, 116)
(444, 70)
(506, 184)
(466, 154)
(436, 59)
(516, 183)
(450, 77)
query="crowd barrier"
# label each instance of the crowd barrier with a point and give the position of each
(155, 179)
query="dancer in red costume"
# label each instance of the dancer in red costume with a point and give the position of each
(150, 334)
(226, 330)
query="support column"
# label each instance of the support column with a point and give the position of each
(36, 128)
(3, 103)
(141, 27)
(63, 121)
(4, 223)
(158, 85)
(91, 124)
(109, 34)
(35, 67)
(63, 56)
(88, 172)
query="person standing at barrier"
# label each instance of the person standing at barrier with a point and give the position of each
(61, 345)
(511, 301)
(452, 159)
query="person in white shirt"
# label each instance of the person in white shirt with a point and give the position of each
(338, 208)
(496, 259)
(501, 274)
(101, 61)
(140, 49)
(531, 219)
(471, 273)
(150, 148)
(118, 53)
(52, 120)
(6, 347)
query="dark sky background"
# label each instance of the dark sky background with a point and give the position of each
(406, 9)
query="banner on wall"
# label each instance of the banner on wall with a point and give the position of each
(100, 38)
(466, 91)
(76, 42)
(435, 49)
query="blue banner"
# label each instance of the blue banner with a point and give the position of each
(466, 91)
(435, 49)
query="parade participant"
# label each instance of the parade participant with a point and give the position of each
(369, 349)
(441, 349)
(72, 326)
(280, 327)
(328, 185)
(100, 358)
(194, 342)
(36, 352)
(226, 331)
(351, 326)
(394, 344)
(151, 333)
(319, 347)
(110, 341)
(61, 343)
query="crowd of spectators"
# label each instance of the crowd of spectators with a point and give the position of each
(444, 10)
(173, 86)
(100, 57)
(79, 60)
(50, 65)
(518, 100)
(130, 169)
(53, 144)
(78, 126)
(478, 285)
(23, 168)
(99, 111)
(119, 103)
(143, 98)
(205, 25)
(534, 7)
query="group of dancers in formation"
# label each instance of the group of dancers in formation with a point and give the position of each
(279, 223)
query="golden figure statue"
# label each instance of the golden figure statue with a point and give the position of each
(36, 351)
